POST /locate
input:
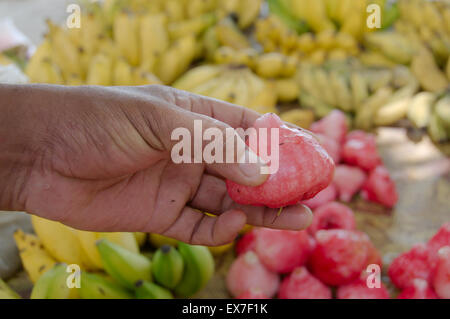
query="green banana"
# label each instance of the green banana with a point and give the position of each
(53, 285)
(366, 113)
(95, 286)
(125, 266)
(6, 292)
(199, 268)
(167, 266)
(149, 290)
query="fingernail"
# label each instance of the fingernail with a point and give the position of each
(250, 164)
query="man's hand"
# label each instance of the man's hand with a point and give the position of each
(98, 158)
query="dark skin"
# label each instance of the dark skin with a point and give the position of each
(98, 159)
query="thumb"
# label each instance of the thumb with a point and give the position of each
(197, 138)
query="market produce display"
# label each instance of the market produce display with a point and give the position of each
(112, 266)
(316, 64)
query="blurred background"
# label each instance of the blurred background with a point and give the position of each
(372, 71)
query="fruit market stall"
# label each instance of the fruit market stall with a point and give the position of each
(377, 100)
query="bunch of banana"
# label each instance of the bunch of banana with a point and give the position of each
(121, 45)
(6, 292)
(370, 96)
(316, 48)
(427, 72)
(230, 83)
(346, 16)
(35, 259)
(64, 244)
(225, 33)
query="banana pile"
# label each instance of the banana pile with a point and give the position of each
(420, 39)
(128, 274)
(111, 263)
(138, 42)
(365, 94)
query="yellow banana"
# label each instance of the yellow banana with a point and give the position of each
(287, 89)
(195, 8)
(220, 250)
(306, 42)
(432, 16)
(154, 39)
(355, 23)
(126, 36)
(49, 73)
(33, 68)
(241, 89)
(223, 87)
(360, 89)
(300, 117)
(35, 259)
(197, 76)
(64, 52)
(366, 112)
(74, 80)
(420, 109)
(176, 59)
(122, 73)
(424, 67)
(326, 39)
(379, 79)
(144, 78)
(308, 83)
(376, 59)
(230, 35)
(316, 16)
(322, 82)
(270, 65)
(290, 66)
(141, 238)
(174, 10)
(248, 11)
(60, 241)
(264, 102)
(397, 106)
(100, 70)
(91, 30)
(341, 91)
